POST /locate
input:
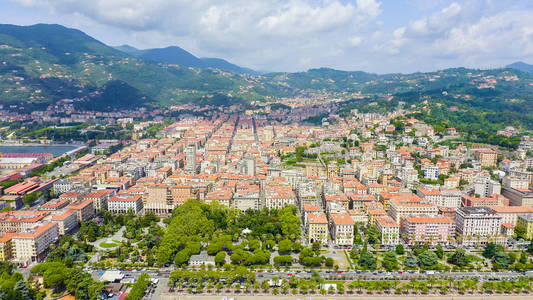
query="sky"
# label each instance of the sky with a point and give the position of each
(379, 36)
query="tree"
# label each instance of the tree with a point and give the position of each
(220, 258)
(400, 250)
(459, 258)
(329, 262)
(389, 261)
(297, 247)
(182, 257)
(439, 251)
(520, 232)
(254, 244)
(367, 261)
(21, 290)
(428, 260)
(373, 235)
(490, 250)
(410, 261)
(283, 259)
(316, 246)
(285, 246)
(502, 258)
(265, 285)
(523, 257)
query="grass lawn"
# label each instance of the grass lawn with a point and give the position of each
(108, 245)
(338, 282)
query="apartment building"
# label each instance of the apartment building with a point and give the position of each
(494, 200)
(158, 199)
(443, 197)
(20, 220)
(522, 197)
(123, 204)
(279, 196)
(66, 221)
(6, 246)
(526, 221)
(510, 213)
(399, 208)
(434, 230)
(477, 225)
(33, 245)
(389, 228)
(486, 157)
(342, 229)
(84, 210)
(317, 227)
(221, 195)
(99, 199)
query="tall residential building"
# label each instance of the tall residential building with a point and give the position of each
(190, 158)
(250, 165)
(84, 210)
(436, 229)
(123, 204)
(99, 199)
(342, 229)
(526, 221)
(33, 245)
(390, 230)
(487, 157)
(6, 246)
(484, 187)
(317, 227)
(522, 197)
(399, 208)
(279, 196)
(477, 224)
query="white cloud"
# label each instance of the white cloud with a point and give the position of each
(295, 34)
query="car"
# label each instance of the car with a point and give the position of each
(24, 267)
(290, 274)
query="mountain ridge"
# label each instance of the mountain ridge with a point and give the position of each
(522, 66)
(179, 56)
(43, 64)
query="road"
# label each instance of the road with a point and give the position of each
(162, 276)
(331, 275)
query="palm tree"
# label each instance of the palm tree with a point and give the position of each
(350, 287)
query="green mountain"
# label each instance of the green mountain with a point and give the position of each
(171, 55)
(175, 55)
(42, 64)
(522, 66)
(128, 49)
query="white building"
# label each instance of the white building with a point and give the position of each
(473, 222)
(32, 246)
(431, 173)
(342, 229)
(123, 204)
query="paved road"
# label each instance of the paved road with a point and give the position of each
(163, 274)
(262, 275)
(351, 297)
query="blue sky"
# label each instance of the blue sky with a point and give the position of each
(381, 36)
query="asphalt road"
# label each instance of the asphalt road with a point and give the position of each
(351, 275)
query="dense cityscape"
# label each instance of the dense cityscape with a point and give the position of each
(244, 150)
(241, 203)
